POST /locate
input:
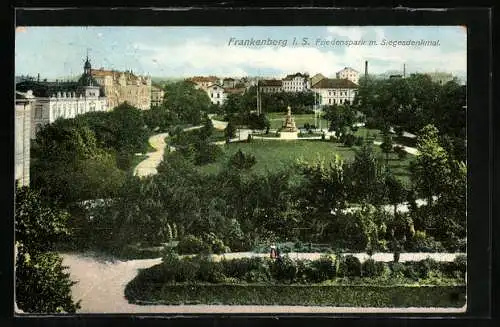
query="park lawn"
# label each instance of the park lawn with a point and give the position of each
(272, 155)
(217, 135)
(276, 119)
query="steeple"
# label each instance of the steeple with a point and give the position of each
(87, 67)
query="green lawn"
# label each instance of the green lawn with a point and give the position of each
(277, 118)
(273, 154)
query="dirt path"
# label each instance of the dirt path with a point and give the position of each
(148, 166)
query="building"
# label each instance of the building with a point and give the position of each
(236, 90)
(157, 95)
(316, 78)
(440, 77)
(348, 73)
(271, 86)
(53, 100)
(335, 91)
(120, 87)
(22, 137)
(216, 93)
(204, 82)
(296, 83)
(229, 83)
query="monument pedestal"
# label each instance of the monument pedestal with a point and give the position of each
(289, 135)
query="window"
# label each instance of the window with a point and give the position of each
(38, 112)
(330, 101)
(334, 101)
(340, 100)
(212, 95)
(334, 93)
(218, 96)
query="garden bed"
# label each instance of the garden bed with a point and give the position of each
(312, 295)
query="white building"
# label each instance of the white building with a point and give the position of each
(271, 86)
(335, 91)
(22, 137)
(55, 100)
(349, 73)
(203, 82)
(296, 83)
(440, 77)
(216, 93)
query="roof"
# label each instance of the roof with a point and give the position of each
(204, 79)
(270, 82)
(348, 68)
(229, 79)
(335, 83)
(214, 84)
(290, 77)
(47, 89)
(235, 90)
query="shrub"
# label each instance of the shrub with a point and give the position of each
(397, 269)
(421, 242)
(349, 139)
(216, 244)
(209, 271)
(191, 244)
(325, 268)
(284, 269)
(400, 151)
(187, 270)
(372, 268)
(359, 141)
(350, 266)
(237, 268)
(425, 267)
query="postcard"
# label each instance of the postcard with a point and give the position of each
(241, 169)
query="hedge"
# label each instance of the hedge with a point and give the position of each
(317, 295)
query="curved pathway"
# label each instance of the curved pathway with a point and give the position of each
(148, 166)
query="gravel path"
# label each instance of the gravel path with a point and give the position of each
(101, 285)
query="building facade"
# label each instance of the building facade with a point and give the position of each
(335, 91)
(157, 95)
(271, 86)
(216, 93)
(296, 83)
(53, 100)
(120, 87)
(22, 137)
(348, 73)
(440, 77)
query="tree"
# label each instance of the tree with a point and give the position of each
(229, 131)
(68, 165)
(386, 147)
(187, 103)
(429, 170)
(340, 117)
(242, 161)
(42, 285)
(395, 190)
(363, 176)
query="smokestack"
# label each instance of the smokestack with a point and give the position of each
(366, 68)
(404, 70)
(38, 77)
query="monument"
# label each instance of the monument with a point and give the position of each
(289, 131)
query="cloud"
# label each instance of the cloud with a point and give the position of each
(204, 55)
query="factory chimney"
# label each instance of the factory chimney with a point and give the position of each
(366, 68)
(404, 70)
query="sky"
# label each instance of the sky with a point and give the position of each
(56, 52)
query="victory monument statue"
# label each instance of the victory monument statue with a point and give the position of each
(289, 130)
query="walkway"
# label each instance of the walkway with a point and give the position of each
(101, 285)
(148, 166)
